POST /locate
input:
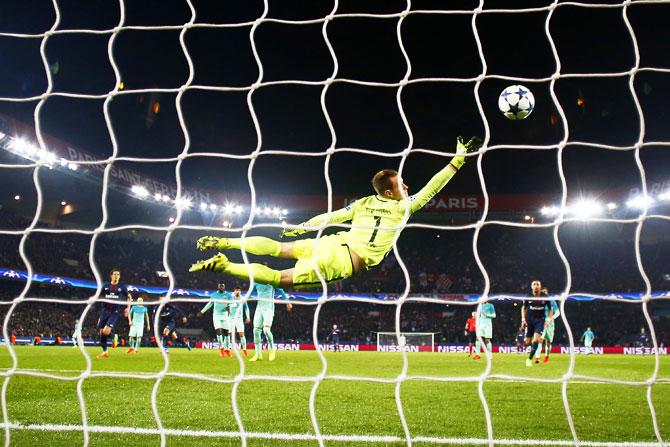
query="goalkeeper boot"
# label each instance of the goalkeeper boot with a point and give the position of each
(272, 354)
(529, 362)
(212, 243)
(256, 358)
(216, 263)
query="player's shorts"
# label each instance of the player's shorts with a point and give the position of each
(221, 322)
(263, 318)
(534, 327)
(332, 259)
(237, 325)
(484, 330)
(587, 344)
(107, 319)
(548, 333)
(170, 325)
(136, 330)
(472, 336)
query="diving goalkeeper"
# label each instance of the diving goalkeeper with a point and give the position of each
(375, 220)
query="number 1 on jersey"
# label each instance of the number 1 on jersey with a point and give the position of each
(378, 220)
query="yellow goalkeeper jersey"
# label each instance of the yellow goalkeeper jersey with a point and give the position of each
(376, 220)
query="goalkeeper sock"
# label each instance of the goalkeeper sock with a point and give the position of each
(262, 273)
(257, 340)
(533, 348)
(257, 245)
(103, 343)
(270, 337)
(243, 342)
(489, 347)
(477, 347)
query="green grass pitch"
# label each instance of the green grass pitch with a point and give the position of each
(448, 410)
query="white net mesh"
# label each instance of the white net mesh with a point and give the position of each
(333, 148)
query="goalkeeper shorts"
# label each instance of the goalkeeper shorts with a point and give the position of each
(332, 259)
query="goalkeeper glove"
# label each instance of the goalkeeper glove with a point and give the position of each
(462, 148)
(210, 243)
(290, 232)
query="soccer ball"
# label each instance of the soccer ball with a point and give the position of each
(516, 102)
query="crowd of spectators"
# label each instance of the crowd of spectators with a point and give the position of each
(601, 259)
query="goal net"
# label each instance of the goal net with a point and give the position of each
(409, 341)
(273, 82)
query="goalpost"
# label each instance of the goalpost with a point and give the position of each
(409, 341)
(397, 338)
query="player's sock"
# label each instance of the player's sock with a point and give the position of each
(226, 342)
(219, 338)
(165, 340)
(478, 347)
(262, 273)
(489, 347)
(270, 338)
(257, 340)
(533, 348)
(547, 350)
(539, 351)
(243, 342)
(103, 343)
(257, 245)
(115, 341)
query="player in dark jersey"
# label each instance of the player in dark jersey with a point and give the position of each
(334, 338)
(520, 337)
(170, 314)
(110, 312)
(533, 318)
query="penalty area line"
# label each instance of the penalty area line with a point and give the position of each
(312, 437)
